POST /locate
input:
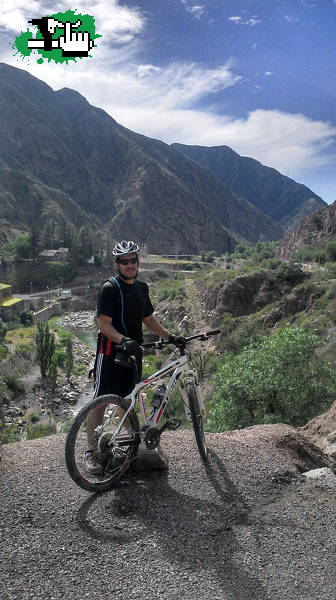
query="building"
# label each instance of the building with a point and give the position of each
(60, 255)
(9, 305)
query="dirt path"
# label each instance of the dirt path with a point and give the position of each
(243, 528)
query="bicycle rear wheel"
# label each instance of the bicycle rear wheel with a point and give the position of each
(113, 452)
(197, 419)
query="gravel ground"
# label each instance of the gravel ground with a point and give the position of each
(245, 527)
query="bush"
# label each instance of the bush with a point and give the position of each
(13, 384)
(60, 357)
(37, 431)
(290, 273)
(330, 251)
(3, 331)
(9, 434)
(26, 318)
(273, 380)
(3, 352)
(331, 291)
(161, 273)
(34, 417)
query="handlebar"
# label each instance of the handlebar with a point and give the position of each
(198, 336)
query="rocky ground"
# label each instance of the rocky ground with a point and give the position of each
(48, 400)
(256, 523)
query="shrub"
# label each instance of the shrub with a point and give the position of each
(26, 318)
(34, 417)
(60, 356)
(3, 352)
(330, 251)
(331, 291)
(13, 384)
(9, 434)
(37, 431)
(161, 273)
(290, 273)
(3, 331)
(276, 379)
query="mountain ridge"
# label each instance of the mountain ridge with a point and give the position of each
(121, 181)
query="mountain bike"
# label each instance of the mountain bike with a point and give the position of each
(117, 437)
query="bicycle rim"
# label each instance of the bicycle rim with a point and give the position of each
(113, 452)
(197, 420)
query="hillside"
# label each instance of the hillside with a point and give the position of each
(281, 198)
(316, 229)
(115, 177)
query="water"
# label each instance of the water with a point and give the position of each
(88, 337)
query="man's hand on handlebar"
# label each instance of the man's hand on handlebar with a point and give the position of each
(178, 340)
(130, 346)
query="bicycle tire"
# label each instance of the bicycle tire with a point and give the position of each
(197, 419)
(115, 453)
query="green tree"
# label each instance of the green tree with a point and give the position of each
(3, 331)
(22, 247)
(69, 360)
(53, 370)
(330, 251)
(26, 318)
(273, 380)
(44, 347)
(34, 238)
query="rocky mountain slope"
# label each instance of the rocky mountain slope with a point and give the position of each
(317, 228)
(130, 185)
(281, 198)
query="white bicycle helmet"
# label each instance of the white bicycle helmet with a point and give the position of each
(125, 247)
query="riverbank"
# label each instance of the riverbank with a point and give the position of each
(44, 404)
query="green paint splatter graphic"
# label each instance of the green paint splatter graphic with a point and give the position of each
(56, 54)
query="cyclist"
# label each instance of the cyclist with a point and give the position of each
(123, 305)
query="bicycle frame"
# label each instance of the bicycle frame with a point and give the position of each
(176, 368)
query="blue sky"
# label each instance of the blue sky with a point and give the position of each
(257, 76)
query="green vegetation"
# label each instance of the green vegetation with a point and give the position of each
(9, 434)
(272, 380)
(3, 331)
(45, 347)
(14, 385)
(33, 432)
(69, 359)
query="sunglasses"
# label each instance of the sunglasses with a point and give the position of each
(125, 261)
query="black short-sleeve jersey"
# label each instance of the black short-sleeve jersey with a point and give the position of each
(137, 306)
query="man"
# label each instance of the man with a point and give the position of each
(123, 305)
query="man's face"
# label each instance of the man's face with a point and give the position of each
(129, 269)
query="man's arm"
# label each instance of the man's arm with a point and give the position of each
(106, 327)
(153, 324)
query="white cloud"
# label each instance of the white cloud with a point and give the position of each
(291, 19)
(196, 11)
(114, 22)
(268, 73)
(240, 21)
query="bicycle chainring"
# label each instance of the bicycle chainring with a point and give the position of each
(152, 438)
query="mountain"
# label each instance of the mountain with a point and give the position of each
(317, 228)
(130, 185)
(281, 198)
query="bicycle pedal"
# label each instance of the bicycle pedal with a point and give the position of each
(174, 424)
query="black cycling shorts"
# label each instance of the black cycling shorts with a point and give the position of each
(112, 378)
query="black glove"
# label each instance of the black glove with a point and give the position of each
(178, 340)
(130, 346)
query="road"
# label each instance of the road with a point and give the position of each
(246, 527)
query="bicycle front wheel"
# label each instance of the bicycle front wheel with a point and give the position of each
(95, 428)
(197, 419)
